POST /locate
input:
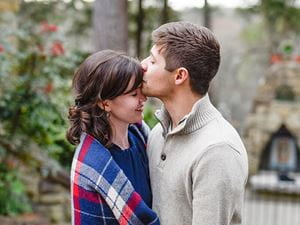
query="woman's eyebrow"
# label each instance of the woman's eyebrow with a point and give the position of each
(152, 55)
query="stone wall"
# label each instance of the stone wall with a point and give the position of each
(49, 197)
(47, 185)
(264, 122)
(268, 113)
(27, 219)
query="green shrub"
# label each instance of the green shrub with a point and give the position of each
(35, 87)
(13, 199)
(149, 117)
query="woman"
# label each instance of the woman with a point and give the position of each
(109, 175)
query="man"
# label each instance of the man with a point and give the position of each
(198, 163)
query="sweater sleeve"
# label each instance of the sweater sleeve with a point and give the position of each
(218, 187)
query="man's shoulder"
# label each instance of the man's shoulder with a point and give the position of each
(221, 131)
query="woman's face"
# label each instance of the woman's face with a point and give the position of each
(127, 108)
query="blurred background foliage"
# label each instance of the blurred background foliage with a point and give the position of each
(12, 198)
(42, 43)
(280, 21)
(35, 85)
(38, 55)
(36, 66)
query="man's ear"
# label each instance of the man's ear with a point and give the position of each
(104, 105)
(182, 74)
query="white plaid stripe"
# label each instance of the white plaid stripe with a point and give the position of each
(93, 215)
(74, 164)
(111, 200)
(119, 203)
(102, 210)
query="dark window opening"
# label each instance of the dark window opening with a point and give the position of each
(281, 153)
(284, 92)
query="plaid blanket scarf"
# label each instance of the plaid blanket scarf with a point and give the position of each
(101, 192)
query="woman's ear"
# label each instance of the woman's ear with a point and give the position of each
(182, 74)
(104, 105)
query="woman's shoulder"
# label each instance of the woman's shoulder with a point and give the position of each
(88, 141)
(90, 150)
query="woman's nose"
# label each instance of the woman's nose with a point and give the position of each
(144, 65)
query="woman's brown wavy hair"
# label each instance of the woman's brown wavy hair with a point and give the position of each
(104, 75)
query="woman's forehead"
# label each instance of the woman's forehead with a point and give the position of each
(131, 84)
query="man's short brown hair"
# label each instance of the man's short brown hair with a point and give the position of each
(190, 46)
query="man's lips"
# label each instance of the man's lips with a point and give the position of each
(140, 109)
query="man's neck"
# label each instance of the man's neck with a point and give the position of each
(179, 106)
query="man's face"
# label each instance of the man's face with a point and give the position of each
(157, 80)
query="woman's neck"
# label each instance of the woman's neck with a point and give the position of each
(120, 134)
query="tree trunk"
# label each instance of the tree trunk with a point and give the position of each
(140, 27)
(110, 21)
(207, 20)
(213, 93)
(165, 14)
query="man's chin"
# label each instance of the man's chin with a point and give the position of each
(144, 90)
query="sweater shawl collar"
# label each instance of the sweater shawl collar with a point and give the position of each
(202, 113)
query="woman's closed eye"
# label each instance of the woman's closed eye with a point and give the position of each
(152, 60)
(133, 93)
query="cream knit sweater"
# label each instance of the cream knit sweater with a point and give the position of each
(198, 170)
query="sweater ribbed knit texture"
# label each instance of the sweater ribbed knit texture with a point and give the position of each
(198, 170)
